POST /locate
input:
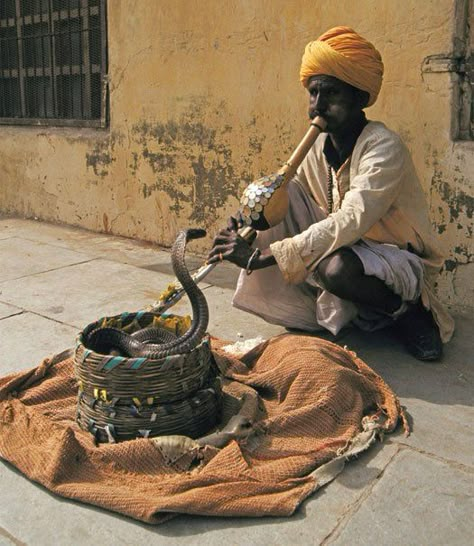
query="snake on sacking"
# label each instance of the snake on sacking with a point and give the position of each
(156, 343)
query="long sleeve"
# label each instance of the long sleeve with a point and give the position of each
(376, 177)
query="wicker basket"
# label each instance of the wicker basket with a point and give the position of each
(122, 398)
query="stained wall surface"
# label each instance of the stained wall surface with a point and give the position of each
(205, 97)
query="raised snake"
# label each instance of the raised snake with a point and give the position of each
(156, 343)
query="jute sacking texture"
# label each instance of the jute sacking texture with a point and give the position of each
(312, 404)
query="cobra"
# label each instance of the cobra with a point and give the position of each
(156, 343)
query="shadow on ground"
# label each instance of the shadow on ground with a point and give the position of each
(449, 381)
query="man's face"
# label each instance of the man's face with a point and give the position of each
(335, 101)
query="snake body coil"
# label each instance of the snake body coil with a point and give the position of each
(147, 343)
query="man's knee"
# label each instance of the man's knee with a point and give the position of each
(338, 271)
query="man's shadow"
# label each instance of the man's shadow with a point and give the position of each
(447, 382)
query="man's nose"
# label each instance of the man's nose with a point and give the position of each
(319, 102)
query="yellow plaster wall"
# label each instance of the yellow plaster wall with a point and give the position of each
(204, 98)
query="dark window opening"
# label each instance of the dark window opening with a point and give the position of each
(53, 62)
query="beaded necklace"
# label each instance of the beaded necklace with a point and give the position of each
(330, 188)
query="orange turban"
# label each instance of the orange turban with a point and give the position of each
(344, 54)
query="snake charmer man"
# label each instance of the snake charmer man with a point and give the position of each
(356, 245)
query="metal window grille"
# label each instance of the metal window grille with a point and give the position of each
(465, 46)
(460, 64)
(53, 62)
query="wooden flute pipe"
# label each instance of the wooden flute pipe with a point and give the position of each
(264, 203)
(317, 126)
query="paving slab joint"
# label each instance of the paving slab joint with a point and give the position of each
(13, 314)
(48, 317)
(5, 534)
(355, 506)
(453, 464)
(49, 270)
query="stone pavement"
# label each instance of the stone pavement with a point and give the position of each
(411, 491)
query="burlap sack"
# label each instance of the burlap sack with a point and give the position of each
(313, 404)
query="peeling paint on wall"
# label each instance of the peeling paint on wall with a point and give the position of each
(459, 203)
(452, 214)
(99, 159)
(453, 208)
(101, 155)
(173, 148)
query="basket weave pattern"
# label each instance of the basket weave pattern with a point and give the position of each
(123, 398)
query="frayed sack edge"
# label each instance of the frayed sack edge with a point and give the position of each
(371, 430)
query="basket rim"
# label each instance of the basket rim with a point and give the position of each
(131, 316)
(90, 353)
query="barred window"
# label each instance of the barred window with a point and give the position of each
(53, 62)
(460, 64)
(464, 102)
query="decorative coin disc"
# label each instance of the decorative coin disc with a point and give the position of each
(254, 199)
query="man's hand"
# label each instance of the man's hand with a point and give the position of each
(228, 245)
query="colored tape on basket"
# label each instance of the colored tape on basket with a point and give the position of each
(168, 292)
(87, 352)
(134, 411)
(110, 431)
(111, 362)
(173, 323)
(88, 400)
(92, 427)
(111, 413)
(135, 363)
(100, 394)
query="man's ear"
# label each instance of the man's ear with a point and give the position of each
(362, 98)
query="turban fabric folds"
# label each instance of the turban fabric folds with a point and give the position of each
(342, 53)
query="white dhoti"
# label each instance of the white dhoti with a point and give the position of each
(307, 306)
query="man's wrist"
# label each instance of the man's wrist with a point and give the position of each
(266, 259)
(251, 262)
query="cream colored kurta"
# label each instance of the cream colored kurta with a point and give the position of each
(377, 195)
